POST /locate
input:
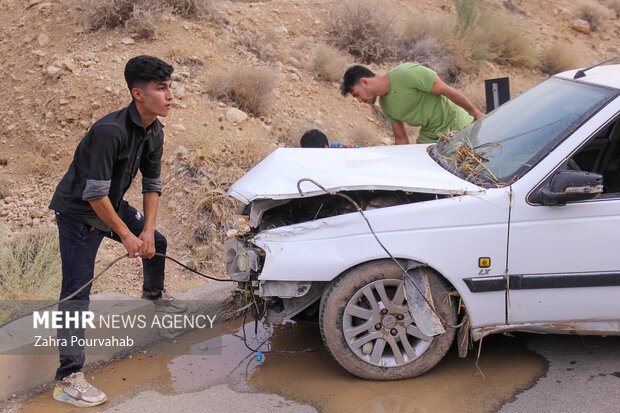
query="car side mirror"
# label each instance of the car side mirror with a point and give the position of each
(571, 186)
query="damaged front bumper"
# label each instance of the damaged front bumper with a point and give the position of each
(281, 300)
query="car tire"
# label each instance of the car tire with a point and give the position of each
(346, 308)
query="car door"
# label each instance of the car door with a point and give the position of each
(564, 260)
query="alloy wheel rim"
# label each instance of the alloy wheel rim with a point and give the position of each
(378, 328)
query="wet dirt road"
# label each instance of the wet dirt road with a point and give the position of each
(313, 378)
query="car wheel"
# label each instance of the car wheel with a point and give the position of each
(366, 327)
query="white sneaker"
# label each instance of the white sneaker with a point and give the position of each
(76, 390)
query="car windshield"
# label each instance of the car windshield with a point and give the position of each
(505, 144)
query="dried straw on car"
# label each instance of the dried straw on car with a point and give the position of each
(469, 161)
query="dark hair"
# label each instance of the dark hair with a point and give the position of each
(140, 70)
(352, 76)
(313, 138)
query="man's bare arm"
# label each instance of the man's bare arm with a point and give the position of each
(440, 88)
(104, 210)
(150, 203)
(400, 133)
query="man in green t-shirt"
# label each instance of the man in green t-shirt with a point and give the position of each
(413, 94)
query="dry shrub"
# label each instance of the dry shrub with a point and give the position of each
(452, 44)
(218, 161)
(428, 52)
(364, 29)
(328, 63)
(592, 12)
(250, 88)
(493, 35)
(30, 265)
(194, 9)
(259, 43)
(40, 164)
(433, 41)
(613, 5)
(142, 22)
(556, 58)
(424, 26)
(142, 16)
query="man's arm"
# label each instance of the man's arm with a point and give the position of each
(104, 210)
(150, 202)
(400, 133)
(440, 88)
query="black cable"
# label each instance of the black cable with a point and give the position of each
(245, 313)
(359, 209)
(182, 265)
(194, 271)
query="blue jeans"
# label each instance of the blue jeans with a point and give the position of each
(78, 248)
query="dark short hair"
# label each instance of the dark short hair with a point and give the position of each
(352, 76)
(141, 70)
(313, 138)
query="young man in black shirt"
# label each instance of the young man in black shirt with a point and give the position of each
(89, 206)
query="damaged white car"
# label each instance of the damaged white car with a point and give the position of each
(509, 225)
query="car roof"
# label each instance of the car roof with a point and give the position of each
(608, 75)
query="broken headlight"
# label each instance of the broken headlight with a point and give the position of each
(241, 260)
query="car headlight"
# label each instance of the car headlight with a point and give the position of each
(241, 260)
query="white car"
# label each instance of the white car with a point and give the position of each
(510, 225)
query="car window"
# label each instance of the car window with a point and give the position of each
(601, 155)
(517, 135)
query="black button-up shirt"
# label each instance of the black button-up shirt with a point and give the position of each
(105, 163)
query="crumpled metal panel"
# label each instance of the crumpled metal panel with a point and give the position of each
(402, 167)
(425, 318)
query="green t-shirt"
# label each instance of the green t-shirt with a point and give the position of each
(409, 100)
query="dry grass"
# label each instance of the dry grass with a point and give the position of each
(261, 43)
(217, 162)
(428, 52)
(592, 12)
(556, 58)
(363, 28)
(189, 9)
(613, 5)
(250, 88)
(142, 16)
(493, 35)
(432, 40)
(40, 164)
(30, 266)
(469, 161)
(328, 63)
(450, 44)
(142, 22)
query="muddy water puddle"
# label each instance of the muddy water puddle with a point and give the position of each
(314, 378)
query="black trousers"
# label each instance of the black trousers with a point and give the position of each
(78, 248)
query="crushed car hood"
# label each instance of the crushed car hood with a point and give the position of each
(403, 167)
